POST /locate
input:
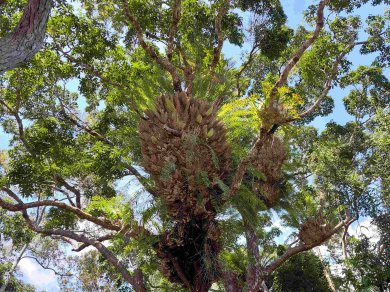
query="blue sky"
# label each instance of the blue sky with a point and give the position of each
(46, 280)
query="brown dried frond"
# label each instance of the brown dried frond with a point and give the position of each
(315, 230)
(184, 149)
(268, 159)
(269, 193)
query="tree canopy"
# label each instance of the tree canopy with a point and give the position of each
(132, 133)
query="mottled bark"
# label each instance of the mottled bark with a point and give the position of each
(230, 282)
(218, 30)
(253, 277)
(27, 37)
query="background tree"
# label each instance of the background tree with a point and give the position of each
(14, 284)
(170, 161)
(302, 272)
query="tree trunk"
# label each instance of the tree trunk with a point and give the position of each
(27, 37)
(139, 283)
(201, 284)
(8, 274)
(253, 279)
(327, 273)
(230, 282)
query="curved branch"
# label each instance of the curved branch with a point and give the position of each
(9, 273)
(252, 53)
(70, 188)
(90, 69)
(218, 30)
(244, 163)
(179, 271)
(327, 84)
(81, 214)
(135, 280)
(100, 239)
(72, 117)
(27, 37)
(303, 247)
(241, 169)
(85, 127)
(172, 31)
(298, 54)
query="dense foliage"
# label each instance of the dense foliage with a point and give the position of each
(132, 132)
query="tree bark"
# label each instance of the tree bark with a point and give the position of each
(327, 272)
(230, 282)
(253, 277)
(27, 37)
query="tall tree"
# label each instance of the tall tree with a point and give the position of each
(302, 272)
(170, 161)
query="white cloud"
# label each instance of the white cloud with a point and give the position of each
(34, 274)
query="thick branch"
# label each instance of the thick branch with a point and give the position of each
(327, 85)
(100, 239)
(303, 247)
(27, 37)
(81, 214)
(164, 62)
(173, 30)
(298, 54)
(220, 37)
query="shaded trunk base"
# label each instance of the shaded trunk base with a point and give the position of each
(189, 253)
